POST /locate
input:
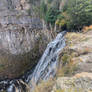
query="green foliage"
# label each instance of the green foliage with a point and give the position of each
(79, 13)
(49, 1)
(49, 11)
(62, 20)
(74, 14)
(51, 16)
(33, 1)
(43, 9)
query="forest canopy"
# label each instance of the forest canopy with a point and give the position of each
(66, 14)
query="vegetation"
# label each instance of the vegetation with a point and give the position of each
(76, 14)
(68, 61)
(69, 90)
(51, 16)
(66, 14)
(67, 65)
(49, 11)
(80, 13)
(45, 86)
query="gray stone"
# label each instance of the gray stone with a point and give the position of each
(20, 38)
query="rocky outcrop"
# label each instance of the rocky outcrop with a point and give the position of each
(80, 45)
(73, 84)
(74, 73)
(22, 40)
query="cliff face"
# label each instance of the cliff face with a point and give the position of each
(14, 4)
(20, 38)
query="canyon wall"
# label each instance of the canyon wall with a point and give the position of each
(22, 38)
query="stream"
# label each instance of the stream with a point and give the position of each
(46, 68)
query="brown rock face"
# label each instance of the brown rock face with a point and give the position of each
(20, 39)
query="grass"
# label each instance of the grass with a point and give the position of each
(66, 68)
(74, 38)
(67, 64)
(45, 86)
(69, 90)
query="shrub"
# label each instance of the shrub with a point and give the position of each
(80, 12)
(45, 86)
(49, 10)
(51, 16)
(62, 20)
(43, 9)
(67, 65)
(75, 14)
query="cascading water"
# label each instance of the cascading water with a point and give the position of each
(46, 67)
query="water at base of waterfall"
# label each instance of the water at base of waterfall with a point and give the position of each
(46, 68)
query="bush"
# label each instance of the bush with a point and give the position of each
(46, 86)
(62, 21)
(51, 16)
(79, 13)
(49, 10)
(67, 65)
(43, 9)
(67, 14)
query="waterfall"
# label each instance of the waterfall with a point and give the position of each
(48, 63)
(46, 67)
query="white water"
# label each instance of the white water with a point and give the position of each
(46, 67)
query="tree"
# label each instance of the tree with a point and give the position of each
(51, 16)
(80, 12)
(43, 9)
(49, 11)
(76, 14)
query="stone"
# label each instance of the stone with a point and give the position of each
(78, 83)
(20, 39)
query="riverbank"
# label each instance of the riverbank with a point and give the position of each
(75, 70)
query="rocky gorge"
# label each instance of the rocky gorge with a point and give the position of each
(75, 64)
(32, 60)
(21, 38)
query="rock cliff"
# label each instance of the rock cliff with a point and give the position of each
(20, 38)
